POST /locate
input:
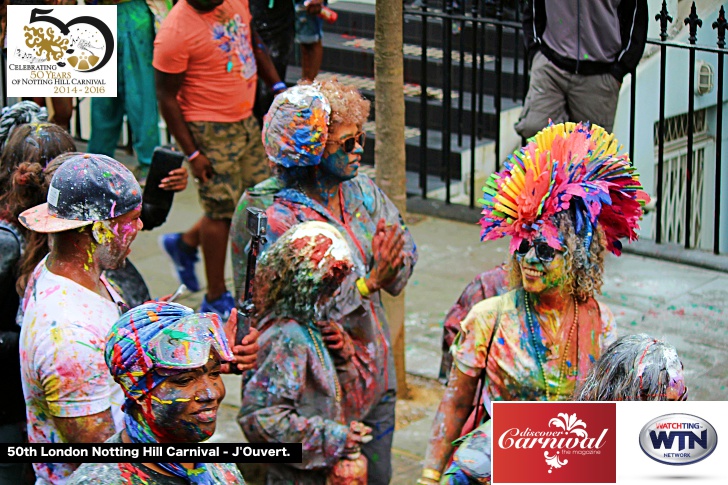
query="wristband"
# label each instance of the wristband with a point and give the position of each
(279, 86)
(193, 155)
(431, 474)
(361, 284)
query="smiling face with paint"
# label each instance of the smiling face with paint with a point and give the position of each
(542, 267)
(184, 406)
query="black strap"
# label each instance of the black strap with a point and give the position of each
(481, 380)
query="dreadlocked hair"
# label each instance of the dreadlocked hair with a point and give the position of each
(634, 368)
(584, 271)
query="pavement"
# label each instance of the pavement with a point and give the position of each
(686, 305)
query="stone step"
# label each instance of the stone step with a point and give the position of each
(355, 55)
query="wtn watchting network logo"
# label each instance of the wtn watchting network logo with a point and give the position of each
(562, 442)
(678, 439)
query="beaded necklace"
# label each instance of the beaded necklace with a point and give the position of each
(539, 358)
(321, 358)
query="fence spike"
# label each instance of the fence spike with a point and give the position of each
(721, 25)
(693, 21)
(663, 17)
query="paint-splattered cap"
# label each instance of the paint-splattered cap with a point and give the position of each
(85, 189)
(295, 128)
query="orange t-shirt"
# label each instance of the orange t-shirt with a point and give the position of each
(215, 52)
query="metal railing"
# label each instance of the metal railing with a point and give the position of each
(488, 28)
(694, 23)
(479, 27)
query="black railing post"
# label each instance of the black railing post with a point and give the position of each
(664, 17)
(423, 104)
(498, 87)
(720, 25)
(446, 101)
(461, 74)
(632, 112)
(693, 22)
(473, 99)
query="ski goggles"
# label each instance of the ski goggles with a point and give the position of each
(189, 342)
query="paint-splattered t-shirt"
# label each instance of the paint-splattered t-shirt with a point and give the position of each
(138, 474)
(513, 372)
(363, 204)
(487, 284)
(214, 50)
(62, 360)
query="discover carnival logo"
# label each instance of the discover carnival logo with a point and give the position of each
(678, 439)
(564, 442)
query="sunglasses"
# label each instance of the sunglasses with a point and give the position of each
(349, 143)
(544, 252)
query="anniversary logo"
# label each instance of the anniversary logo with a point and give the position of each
(560, 442)
(61, 51)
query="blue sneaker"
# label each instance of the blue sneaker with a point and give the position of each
(184, 263)
(222, 305)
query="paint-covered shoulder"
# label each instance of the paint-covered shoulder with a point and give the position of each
(364, 189)
(501, 303)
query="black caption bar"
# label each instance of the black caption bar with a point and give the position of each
(153, 452)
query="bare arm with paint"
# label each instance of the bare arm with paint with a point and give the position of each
(452, 413)
(168, 85)
(96, 428)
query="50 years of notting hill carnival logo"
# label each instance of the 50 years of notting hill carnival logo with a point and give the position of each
(554, 442)
(61, 51)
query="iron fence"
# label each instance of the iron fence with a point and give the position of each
(489, 33)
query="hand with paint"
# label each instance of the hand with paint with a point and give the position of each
(387, 245)
(175, 181)
(313, 7)
(337, 341)
(201, 168)
(359, 433)
(246, 353)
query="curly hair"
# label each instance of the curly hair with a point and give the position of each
(295, 276)
(347, 103)
(26, 154)
(36, 243)
(634, 368)
(584, 271)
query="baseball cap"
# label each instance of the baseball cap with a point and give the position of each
(85, 189)
(295, 128)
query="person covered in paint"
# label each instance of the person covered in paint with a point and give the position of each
(296, 395)
(167, 359)
(313, 133)
(635, 368)
(563, 199)
(92, 216)
(22, 168)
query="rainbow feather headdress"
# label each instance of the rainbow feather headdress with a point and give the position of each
(562, 166)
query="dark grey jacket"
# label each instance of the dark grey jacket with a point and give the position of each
(588, 36)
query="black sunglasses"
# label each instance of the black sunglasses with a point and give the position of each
(349, 144)
(544, 252)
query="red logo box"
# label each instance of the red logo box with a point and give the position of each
(554, 442)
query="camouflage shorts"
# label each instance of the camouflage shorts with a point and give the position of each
(238, 161)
